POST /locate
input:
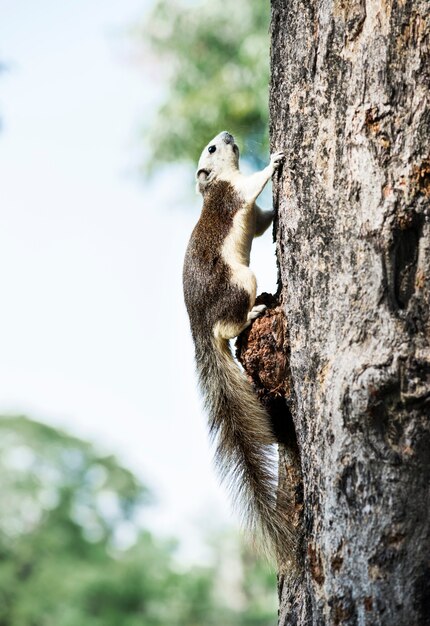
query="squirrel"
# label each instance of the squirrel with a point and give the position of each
(220, 292)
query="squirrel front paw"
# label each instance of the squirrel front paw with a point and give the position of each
(276, 159)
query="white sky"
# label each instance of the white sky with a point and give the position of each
(93, 331)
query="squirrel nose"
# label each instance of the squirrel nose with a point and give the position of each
(227, 138)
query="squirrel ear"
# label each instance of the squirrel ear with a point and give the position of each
(203, 178)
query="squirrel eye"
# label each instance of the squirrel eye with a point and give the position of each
(211, 149)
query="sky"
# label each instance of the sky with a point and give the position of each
(94, 336)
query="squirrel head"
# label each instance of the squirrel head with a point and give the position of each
(219, 159)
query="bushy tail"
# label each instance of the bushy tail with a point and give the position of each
(245, 455)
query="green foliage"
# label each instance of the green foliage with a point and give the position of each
(64, 509)
(45, 470)
(215, 61)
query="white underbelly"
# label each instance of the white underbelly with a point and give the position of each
(236, 251)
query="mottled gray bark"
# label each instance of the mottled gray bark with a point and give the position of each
(350, 106)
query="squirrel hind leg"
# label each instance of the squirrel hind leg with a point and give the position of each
(255, 312)
(230, 329)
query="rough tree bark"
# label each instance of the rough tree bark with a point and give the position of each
(350, 106)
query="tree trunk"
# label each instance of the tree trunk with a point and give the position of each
(350, 107)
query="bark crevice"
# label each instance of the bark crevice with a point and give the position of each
(263, 350)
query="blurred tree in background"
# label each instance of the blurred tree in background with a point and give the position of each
(214, 59)
(73, 554)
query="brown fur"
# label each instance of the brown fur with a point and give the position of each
(237, 421)
(209, 294)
